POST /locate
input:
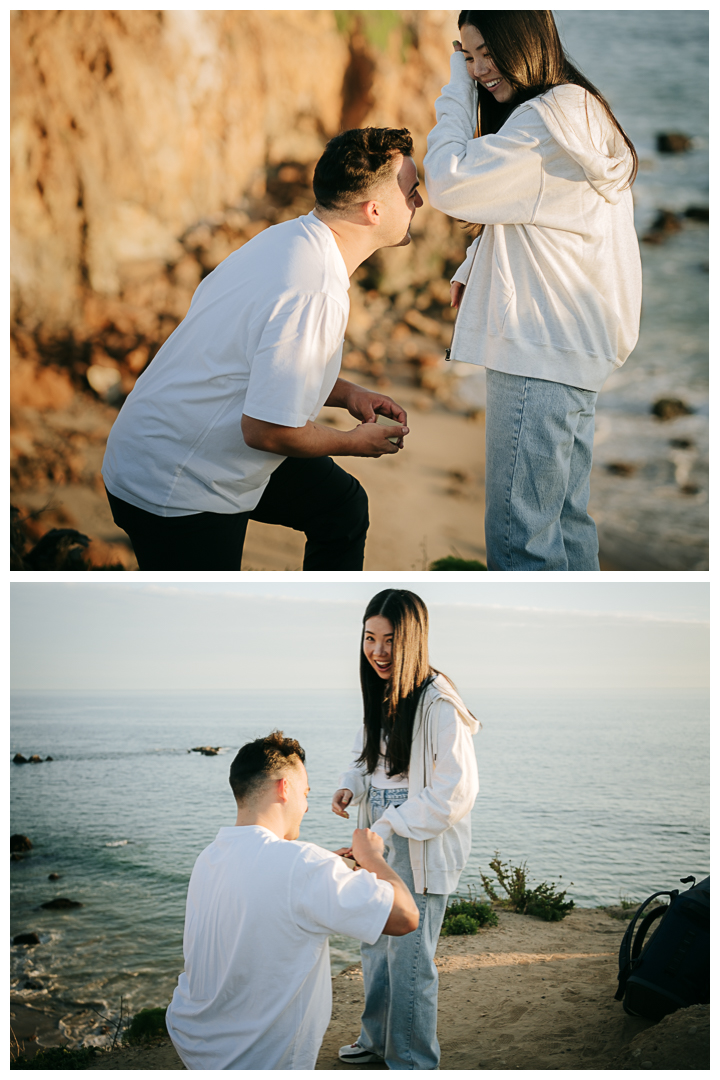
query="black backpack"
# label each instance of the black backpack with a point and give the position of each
(673, 970)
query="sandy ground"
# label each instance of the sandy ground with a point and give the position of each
(426, 502)
(525, 995)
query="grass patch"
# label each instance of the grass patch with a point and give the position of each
(467, 916)
(451, 562)
(58, 1057)
(543, 900)
(147, 1024)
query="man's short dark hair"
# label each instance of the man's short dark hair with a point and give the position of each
(262, 760)
(354, 162)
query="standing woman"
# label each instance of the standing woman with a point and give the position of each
(414, 779)
(551, 287)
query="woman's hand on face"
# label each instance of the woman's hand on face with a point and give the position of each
(341, 798)
(457, 46)
(456, 291)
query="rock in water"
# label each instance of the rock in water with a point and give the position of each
(53, 877)
(20, 760)
(18, 842)
(61, 902)
(673, 142)
(669, 408)
(26, 939)
(36, 759)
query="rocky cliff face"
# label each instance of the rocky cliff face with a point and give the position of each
(147, 145)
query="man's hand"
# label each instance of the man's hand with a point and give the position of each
(363, 404)
(456, 292)
(367, 846)
(341, 798)
(373, 440)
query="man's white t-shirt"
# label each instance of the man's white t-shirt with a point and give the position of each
(263, 336)
(256, 991)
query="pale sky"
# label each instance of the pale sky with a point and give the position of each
(258, 635)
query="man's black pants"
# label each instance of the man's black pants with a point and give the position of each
(311, 495)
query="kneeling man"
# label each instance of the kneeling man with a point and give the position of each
(221, 428)
(256, 990)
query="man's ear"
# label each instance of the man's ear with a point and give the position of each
(283, 788)
(371, 211)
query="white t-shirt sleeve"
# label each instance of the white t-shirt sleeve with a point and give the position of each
(329, 897)
(292, 373)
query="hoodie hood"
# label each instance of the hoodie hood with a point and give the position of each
(568, 111)
(441, 687)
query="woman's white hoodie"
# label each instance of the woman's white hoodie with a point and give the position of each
(442, 787)
(553, 284)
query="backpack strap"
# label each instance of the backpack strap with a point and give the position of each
(629, 955)
(644, 927)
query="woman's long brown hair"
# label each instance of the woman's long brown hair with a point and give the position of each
(390, 704)
(526, 49)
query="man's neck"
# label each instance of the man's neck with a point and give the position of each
(352, 240)
(266, 819)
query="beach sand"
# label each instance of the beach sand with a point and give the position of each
(524, 995)
(426, 502)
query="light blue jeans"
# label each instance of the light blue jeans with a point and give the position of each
(538, 451)
(401, 981)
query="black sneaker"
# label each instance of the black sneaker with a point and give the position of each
(357, 1055)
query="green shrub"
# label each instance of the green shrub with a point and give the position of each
(146, 1024)
(58, 1057)
(458, 912)
(544, 900)
(451, 562)
(460, 924)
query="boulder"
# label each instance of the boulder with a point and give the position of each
(673, 142)
(49, 759)
(208, 751)
(665, 224)
(36, 759)
(26, 939)
(61, 902)
(669, 408)
(19, 759)
(698, 213)
(18, 842)
(53, 877)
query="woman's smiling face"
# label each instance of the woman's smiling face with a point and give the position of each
(480, 65)
(378, 645)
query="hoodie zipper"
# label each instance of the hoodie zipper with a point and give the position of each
(449, 348)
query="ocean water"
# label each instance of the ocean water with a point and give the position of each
(608, 792)
(653, 68)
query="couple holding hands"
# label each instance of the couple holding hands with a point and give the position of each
(221, 428)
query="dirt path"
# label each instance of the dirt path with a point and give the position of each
(525, 995)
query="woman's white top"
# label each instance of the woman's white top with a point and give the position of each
(379, 779)
(442, 786)
(553, 284)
